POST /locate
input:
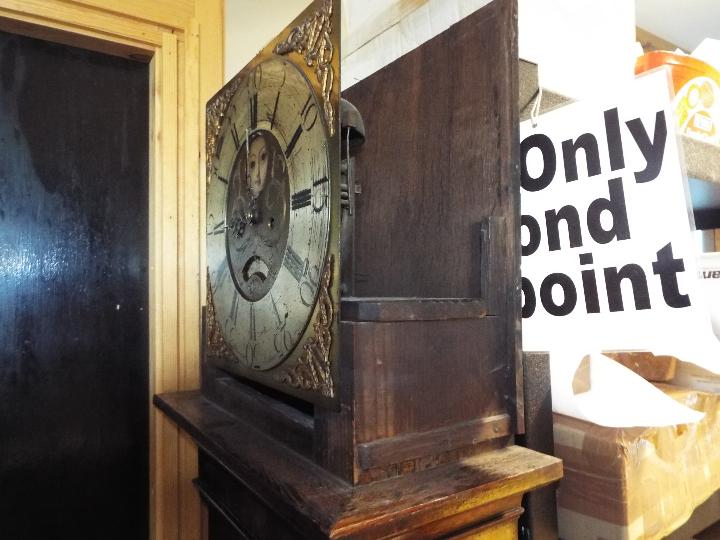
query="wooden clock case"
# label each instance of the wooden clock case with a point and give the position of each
(420, 442)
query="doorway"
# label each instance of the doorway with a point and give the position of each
(74, 385)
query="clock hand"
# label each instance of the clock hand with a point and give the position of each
(254, 216)
(240, 220)
(238, 223)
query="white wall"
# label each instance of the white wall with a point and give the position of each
(582, 47)
(683, 23)
(251, 24)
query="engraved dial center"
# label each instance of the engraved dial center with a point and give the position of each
(258, 214)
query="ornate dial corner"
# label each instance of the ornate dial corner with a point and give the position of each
(215, 115)
(312, 371)
(312, 40)
(216, 343)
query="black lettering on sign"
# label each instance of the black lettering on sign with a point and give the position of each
(570, 216)
(545, 145)
(588, 143)
(614, 139)
(636, 276)
(667, 267)
(652, 151)
(528, 296)
(592, 300)
(615, 204)
(534, 235)
(569, 294)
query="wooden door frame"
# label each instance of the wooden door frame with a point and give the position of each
(185, 70)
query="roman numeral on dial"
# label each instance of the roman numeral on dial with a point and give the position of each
(323, 180)
(293, 141)
(233, 310)
(253, 327)
(235, 136)
(274, 113)
(294, 264)
(253, 111)
(218, 229)
(301, 199)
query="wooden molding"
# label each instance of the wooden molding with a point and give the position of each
(391, 450)
(182, 40)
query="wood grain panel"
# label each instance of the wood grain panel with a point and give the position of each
(189, 224)
(84, 20)
(413, 446)
(421, 376)
(163, 293)
(59, 31)
(436, 162)
(169, 13)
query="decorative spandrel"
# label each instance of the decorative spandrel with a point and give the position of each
(312, 40)
(312, 370)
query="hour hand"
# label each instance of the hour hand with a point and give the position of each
(237, 225)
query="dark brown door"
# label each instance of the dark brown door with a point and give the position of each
(73, 293)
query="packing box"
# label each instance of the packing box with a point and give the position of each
(636, 483)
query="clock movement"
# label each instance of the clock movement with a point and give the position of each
(361, 363)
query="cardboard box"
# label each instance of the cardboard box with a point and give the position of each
(636, 483)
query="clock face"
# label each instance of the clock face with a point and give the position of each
(268, 214)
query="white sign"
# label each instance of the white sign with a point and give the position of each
(608, 257)
(709, 275)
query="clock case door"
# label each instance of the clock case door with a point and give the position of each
(310, 370)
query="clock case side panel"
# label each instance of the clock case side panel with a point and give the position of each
(298, 375)
(437, 219)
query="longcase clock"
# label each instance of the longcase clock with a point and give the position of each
(361, 372)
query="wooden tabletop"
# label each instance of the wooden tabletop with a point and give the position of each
(315, 500)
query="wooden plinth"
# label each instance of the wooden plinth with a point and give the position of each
(263, 489)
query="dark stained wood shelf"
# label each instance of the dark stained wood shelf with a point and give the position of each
(318, 502)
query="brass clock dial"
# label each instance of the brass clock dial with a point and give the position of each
(268, 214)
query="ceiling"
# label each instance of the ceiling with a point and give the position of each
(684, 23)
